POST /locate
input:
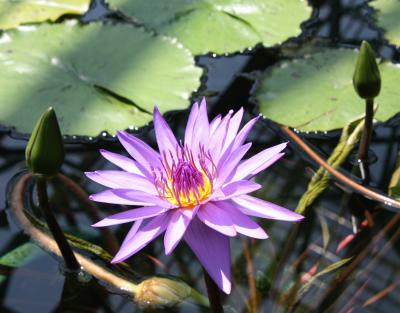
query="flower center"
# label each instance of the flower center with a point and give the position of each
(184, 182)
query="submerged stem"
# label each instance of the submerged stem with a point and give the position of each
(213, 294)
(62, 243)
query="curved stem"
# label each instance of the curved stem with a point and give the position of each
(48, 243)
(93, 211)
(385, 200)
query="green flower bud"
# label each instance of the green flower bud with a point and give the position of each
(44, 153)
(366, 78)
(157, 292)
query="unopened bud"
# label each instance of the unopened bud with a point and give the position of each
(367, 78)
(159, 292)
(45, 150)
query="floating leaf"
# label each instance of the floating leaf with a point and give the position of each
(221, 26)
(316, 93)
(20, 256)
(387, 17)
(14, 13)
(97, 77)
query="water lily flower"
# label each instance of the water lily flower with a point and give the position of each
(197, 189)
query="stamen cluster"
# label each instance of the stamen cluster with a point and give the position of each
(185, 180)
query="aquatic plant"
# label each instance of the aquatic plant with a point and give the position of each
(196, 189)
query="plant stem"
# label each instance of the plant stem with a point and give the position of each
(366, 140)
(66, 251)
(385, 200)
(213, 294)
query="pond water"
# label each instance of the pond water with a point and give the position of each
(268, 276)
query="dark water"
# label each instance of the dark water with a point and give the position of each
(279, 263)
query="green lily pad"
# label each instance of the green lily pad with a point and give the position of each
(220, 26)
(387, 17)
(316, 93)
(98, 77)
(14, 13)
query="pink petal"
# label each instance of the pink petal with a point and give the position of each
(121, 161)
(235, 189)
(145, 155)
(142, 237)
(190, 124)
(121, 179)
(165, 138)
(256, 207)
(227, 166)
(242, 223)
(129, 197)
(130, 216)
(213, 251)
(217, 219)
(176, 229)
(259, 162)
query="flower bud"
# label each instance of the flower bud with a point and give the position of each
(366, 78)
(44, 153)
(158, 292)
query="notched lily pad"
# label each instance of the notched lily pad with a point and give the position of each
(387, 17)
(316, 93)
(14, 13)
(220, 26)
(98, 77)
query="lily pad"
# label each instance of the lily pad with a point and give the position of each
(98, 77)
(14, 13)
(316, 93)
(219, 26)
(387, 17)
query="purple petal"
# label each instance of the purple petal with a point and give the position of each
(129, 197)
(142, 237)
(121, 161)
(218, 138)
(145, 155)
(256, 207)
(176, 229)
(217, 219)
(233, 127)
(201, 129)
(130, 216)
(215, 123)
(132, 232)
(228, 165)
(190, 124)
(235, 189)
(243, 134)
(259, 162)
(242, 223)
(213, 251)
(121, 179)
(165, 138)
